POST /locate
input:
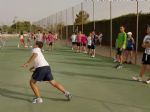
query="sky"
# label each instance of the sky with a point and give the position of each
(34, 10)
(31, 10)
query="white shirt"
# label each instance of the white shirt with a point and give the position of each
(73, 38)
(39, 37)
(89, 40)
(39, 60)
(100, 36)
(146, 38)
(21, 37)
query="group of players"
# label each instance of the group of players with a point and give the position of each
(42, 71)
(28, 39)
(85, 44)
(124, 48)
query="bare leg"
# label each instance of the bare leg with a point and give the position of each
(142, 71)
(57, 85)
(131, 53)
(126, 56)
(34, 88)
(94, 52)
(121, 59)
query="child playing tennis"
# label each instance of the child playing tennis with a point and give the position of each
(42, 72)
(21, 42)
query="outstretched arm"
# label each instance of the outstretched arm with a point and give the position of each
(34, 55)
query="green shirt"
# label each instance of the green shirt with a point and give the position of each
(121, 40)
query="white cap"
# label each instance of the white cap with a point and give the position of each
(129, 33)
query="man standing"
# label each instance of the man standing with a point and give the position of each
(121, 46)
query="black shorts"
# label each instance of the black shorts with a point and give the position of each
(51, 43)
(74, 43)
(84, 45)
(146, 59)
(78, 44)
(119, 52)
(93, 46)
(42, 74)
(89, 47)
(129, 48)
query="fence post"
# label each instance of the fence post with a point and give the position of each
(137, 30)
(66, 27)
(93, 14)
(110, 28)
(73, 18)
(82, 15)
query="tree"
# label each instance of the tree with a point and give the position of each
(5, 28)
(82, 16)
(21, 26)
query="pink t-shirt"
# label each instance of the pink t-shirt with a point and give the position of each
(79, 38)
(84, 39)
(50, 38)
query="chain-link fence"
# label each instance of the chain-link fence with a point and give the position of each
(103, 16)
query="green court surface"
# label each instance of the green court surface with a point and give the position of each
(95, 84)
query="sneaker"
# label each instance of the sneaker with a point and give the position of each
(77, 51)
(135, 78)
(115, 60)
(119, 66)
(37, 100)
(147, 82)
(85, 52)
(18, 46)
(93, 56)
(125, 62)
(68, 95)
(129, 62)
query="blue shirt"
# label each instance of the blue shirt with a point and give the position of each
(130, 43)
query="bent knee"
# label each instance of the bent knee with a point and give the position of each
(32, 81)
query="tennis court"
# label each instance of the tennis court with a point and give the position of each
(95, 84)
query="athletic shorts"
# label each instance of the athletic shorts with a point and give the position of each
(22, 40)
(42, 74)
(89, 46)
(74, 43)
(84, 45)
(78, 43)
(146, 59)
(93, 46)
(51, 43)
(119, 52)
(129, 48)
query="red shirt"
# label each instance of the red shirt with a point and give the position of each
(79, 37)
(84, 39)
(50, 38)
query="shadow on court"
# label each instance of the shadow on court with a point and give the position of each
(21, 96)
(100, 65)
(91, 59)
(92, 76)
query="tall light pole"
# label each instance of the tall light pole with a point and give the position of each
(66, 25)
(82, 15)
(73, 18)
(15, 22)
(110, 28)
(137, 30)
(56, 24)
(61, 24)
(93, 14)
